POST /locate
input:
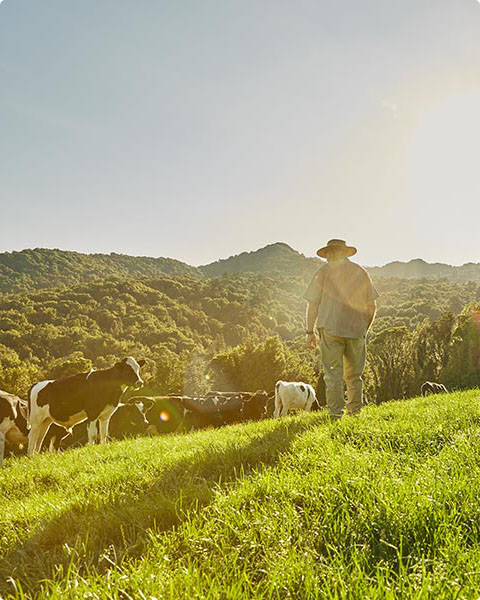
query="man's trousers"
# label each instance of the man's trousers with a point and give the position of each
(343, 358)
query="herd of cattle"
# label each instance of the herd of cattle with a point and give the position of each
(88, 407)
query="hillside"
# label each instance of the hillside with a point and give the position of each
(171, 321)
(180, 324)
(419, 269)
(44, 268)
(381, 506)
(278, 257)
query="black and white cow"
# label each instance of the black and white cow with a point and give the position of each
(185, 413)
(293, 395)
(13, 425)
(153, 415)
(431, 387)
(127, 420)
(90, 397)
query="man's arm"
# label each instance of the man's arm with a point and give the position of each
(311, 319)
(313, 296)
(371, 305)
(371, 310)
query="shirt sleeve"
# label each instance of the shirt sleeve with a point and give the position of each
(372, 292)
(315, 289)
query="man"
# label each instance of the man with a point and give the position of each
(341, 302)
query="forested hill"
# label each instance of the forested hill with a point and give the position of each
(30, 270)
(273, 258)
(250, 327)
(283, 259)
(42, 268)
(419, 269)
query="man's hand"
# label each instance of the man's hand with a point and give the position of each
(310, 320)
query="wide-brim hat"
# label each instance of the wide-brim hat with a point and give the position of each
(337, 245)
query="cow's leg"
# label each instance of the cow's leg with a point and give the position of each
(2, 447)
(36, 435)
(278, 404)
(285, 408)
(31, 439)
(51, 442)
(92, 431)
(103, 428)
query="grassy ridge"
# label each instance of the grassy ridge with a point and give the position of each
(382, 506)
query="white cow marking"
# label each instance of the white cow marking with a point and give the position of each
(131, 362)
(36, 389)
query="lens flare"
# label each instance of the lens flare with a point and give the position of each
(164, 416)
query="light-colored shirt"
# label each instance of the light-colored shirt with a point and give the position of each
(344, 292)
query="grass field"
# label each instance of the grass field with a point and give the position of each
(381, 506)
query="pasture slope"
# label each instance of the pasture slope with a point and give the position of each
(381, 506)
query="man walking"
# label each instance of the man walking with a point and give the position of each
(341, 302)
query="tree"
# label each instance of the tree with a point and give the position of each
(254, 366)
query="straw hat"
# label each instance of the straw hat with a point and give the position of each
(337, 245)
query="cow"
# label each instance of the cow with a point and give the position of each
(294, 395)
(168, 414)
(90, 397)
(185, 413)
(431, 387)
(13, 424)
(253, 405)
(127, 420)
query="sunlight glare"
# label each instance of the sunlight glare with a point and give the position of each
(164, 416)
(443, 153)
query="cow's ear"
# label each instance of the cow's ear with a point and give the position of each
(141, 362)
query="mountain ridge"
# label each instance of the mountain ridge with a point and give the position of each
(41, 268)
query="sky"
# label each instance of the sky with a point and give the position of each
(199, 130)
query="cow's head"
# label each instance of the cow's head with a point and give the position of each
(129, 371)
(132, 421)
(164, 414)
(144, 404)
(12, 422)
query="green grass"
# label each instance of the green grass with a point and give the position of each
(381, 506)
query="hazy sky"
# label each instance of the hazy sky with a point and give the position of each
(200, 129)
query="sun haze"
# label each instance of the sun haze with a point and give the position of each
(199, 130)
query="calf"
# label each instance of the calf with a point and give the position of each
(90, 397)
(430, 387)
(293, 395)
(13, 425)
